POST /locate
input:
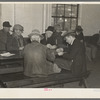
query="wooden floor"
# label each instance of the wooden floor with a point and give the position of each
(93, 81)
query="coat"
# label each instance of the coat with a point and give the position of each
(78, 58)
(37, 60)
(3, 40)
(15, 42)
(50, 40)
(59, 40)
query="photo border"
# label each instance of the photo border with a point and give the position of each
(87, 94)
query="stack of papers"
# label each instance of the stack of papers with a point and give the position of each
(7, 54)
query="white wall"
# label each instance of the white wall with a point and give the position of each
(38, 16)
(6, 14)
(90, 18)
(30, 16)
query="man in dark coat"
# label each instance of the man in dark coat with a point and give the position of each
(49, 39)
(76, 55)
(38, 59)
(16, 41)
(4, 35)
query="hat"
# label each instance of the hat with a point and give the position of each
(6, 24)
(57, 25)
(50, 28)
(70, 33)
(79, 28)
(18, 27)
(35, 32)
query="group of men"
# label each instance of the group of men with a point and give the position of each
(40, 60)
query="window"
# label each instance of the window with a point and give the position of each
(66, 15)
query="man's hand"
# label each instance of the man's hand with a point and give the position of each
(21, 48)
(59, 50)
(51, 46)
(60, 53)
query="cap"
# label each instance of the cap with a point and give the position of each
(35, 32)
(18, 27)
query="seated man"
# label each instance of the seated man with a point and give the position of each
(49, 39)
(16, 41)
(38, 59)
(75, 60)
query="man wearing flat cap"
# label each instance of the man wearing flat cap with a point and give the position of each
(38, 59)
(4, 35)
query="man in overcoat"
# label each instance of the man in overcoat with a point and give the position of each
(4, 36)
(76, 55)
(38, 59)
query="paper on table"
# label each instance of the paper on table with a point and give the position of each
(7, 54)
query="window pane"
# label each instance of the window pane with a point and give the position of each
(74, 11)
(61, 22)
(67, 10)
(54, 10)
(73, 23)
(67, 23)
(60, 11)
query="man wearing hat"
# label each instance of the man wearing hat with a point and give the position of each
(49, 39)
(17, 41)
(38, 59)
(79, 33)
(76, 56)
(4, 35)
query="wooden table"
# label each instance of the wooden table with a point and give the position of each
(11, 64)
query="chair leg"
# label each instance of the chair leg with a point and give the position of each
(2, 84)
(83, 83)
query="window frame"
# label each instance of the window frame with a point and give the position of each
(64, 16)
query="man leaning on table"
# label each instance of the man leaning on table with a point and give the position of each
(74, 60)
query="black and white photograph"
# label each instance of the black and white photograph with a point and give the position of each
(50, 45)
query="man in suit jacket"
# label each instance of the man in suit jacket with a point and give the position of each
(4, 35)
(76, 55)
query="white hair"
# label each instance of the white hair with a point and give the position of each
(35, 38)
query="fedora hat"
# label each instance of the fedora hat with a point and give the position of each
(36, 32)
(50, 28)
(69, 33)
(79, 28)
(6, 24)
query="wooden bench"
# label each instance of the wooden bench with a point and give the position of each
(18, 80)
(11, 75)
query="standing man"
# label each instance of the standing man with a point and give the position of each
(4, 34)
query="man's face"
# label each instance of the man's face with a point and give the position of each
(58, 28)
(68, 39)
(18, 32)
(6, 29)
(49, 34)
